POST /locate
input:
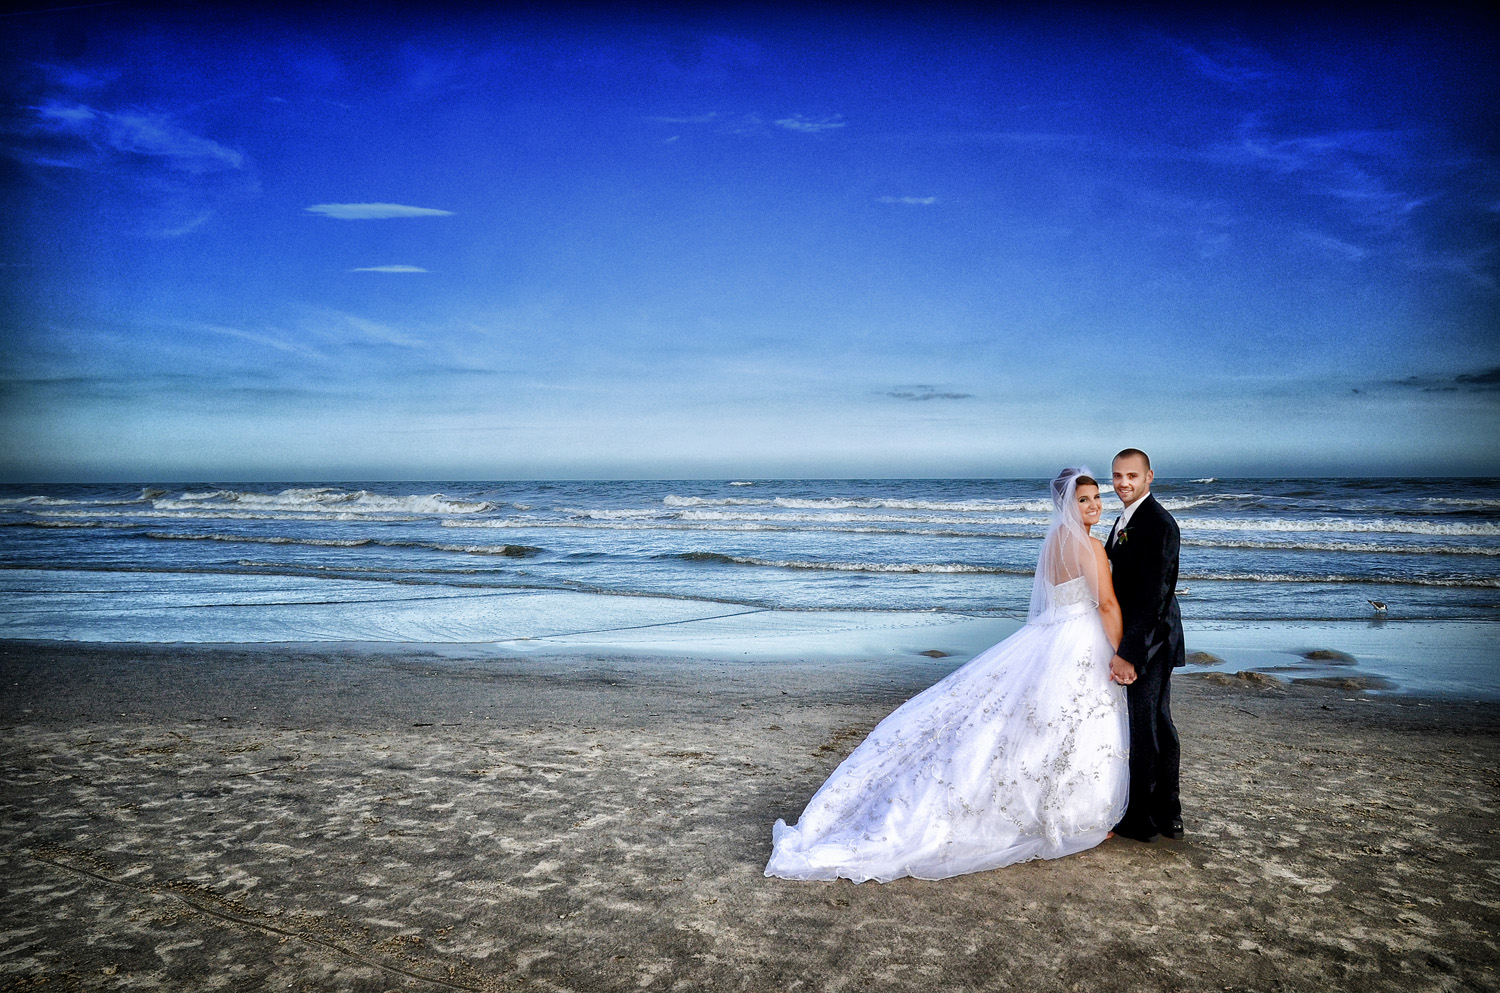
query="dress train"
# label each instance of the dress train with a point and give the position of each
(1019, 754)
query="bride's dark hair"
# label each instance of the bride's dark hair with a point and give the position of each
(1077, 477)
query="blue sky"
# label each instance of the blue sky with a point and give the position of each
(442, 244)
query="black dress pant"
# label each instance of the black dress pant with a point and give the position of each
(1154, 755)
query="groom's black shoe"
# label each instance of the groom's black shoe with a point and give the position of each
(1173, 830)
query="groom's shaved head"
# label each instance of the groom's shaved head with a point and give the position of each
(1134, 453)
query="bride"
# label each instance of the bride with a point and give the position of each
(1019, 754)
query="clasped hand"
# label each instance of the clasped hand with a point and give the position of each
(1121, 671)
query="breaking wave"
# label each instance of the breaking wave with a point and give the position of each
(909, 567)
(509, 551)
(324, 498)
(868, 503)
(1338, 525)
(1366, 547)
(1472, 582)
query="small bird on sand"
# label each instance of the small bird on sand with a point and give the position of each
(1379, 605)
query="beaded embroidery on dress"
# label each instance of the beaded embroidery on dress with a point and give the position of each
(1019, 754)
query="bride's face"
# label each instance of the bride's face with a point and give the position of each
(1088, 503)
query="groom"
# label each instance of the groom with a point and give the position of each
(1142, 551)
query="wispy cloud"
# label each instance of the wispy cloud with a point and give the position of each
(1476, 267)
(388, 268)
(1371, 197)
(1351, 168)
(166, 178)
(71, 77)
(256, 338)
(335, 325)
(1388, 184)
(76, 116)
(373, 211)
(1334, 246)
(136, 132)
(1303, 153)
(925, 392)
(712, 117)
(811, 125)
(186, 227)
(753, 123)
(1050, 142)
(1234, 65)
(911, 201)
(156, 134)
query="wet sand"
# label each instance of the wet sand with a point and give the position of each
(359, 818)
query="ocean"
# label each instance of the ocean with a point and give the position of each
(116, 562)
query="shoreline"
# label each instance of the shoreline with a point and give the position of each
(1444, 659)
(372, 819)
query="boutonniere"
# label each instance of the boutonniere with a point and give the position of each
(1122, 536)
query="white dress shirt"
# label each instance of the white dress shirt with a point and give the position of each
(1123, 521)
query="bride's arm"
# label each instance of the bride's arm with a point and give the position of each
(1109, 607)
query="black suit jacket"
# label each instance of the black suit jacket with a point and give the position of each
(1143, 560)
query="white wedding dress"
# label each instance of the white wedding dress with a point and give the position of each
(1020, 754)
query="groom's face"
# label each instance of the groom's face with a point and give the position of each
(1131, 478)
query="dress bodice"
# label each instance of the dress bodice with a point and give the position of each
(1075, 590)
(1067, 600)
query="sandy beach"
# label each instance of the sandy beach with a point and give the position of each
(384, 818)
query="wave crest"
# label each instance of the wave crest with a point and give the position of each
(1333, 525)
(323, 498)
(908, 567)
(1472, 582)
(508, 551)
(865, 503)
